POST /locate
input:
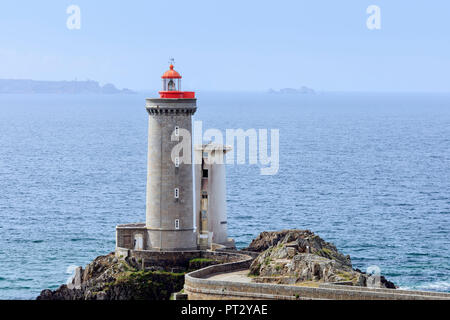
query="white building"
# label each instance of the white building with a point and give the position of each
(210, 196)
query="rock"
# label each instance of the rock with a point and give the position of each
(107, 278)
(301, 241)
(77, 279)
(295, 256)
(375, 281)
(45, 295)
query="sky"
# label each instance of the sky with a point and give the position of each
(231, 45)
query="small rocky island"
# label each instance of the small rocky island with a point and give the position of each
(283, 257)
(302, 257)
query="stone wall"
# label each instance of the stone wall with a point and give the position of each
(176, 259)
(125, 234)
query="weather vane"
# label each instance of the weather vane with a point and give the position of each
(172, 61)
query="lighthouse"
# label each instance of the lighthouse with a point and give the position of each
(169, 198)
(169, 223)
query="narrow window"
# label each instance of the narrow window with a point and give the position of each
(177, 224)
(127, 241)
(176, 134)
(177, 193)
(177, 162)
(205, 173)
(204, 202)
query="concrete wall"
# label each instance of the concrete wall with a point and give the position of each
(217, 203)
(162, 208)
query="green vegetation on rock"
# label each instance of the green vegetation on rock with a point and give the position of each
(148, 285)
(199, 263)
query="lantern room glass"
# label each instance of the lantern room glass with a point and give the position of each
(170, 84)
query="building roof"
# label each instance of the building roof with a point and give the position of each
(171, 74)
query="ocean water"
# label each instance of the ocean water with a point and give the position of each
(368, 172)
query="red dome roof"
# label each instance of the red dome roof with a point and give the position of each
(171, 74)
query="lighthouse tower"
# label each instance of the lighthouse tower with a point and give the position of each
(169, 204)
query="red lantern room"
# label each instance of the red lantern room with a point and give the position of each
(171, 86)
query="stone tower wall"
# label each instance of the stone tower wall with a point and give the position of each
(162, 208)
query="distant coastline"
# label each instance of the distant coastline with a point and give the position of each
(59, 87)
(302, 90)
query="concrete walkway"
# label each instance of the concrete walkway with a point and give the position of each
(236, 276)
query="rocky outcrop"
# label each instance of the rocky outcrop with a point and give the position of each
(115, 277)
(110, 278)
(298, 256)
(285, 257)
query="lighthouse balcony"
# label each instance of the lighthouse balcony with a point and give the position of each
(177, 94)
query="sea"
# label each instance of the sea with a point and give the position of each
(369, 172)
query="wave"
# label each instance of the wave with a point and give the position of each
(82, 239)
(442, 286)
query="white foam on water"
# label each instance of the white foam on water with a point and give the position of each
(443, 286)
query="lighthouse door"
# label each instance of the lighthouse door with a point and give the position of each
(138, 242)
